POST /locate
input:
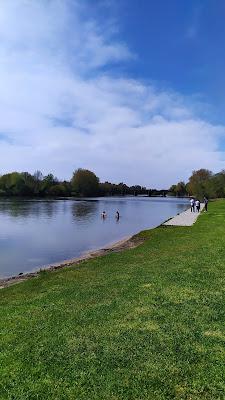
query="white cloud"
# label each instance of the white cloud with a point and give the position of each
(60, 111)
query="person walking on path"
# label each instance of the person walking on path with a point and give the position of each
(206, 203)
(192, 205)
(197, 203)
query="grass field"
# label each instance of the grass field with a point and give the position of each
(146, 323)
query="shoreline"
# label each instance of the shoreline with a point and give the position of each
(128, 242)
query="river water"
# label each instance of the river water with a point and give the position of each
(34, 233)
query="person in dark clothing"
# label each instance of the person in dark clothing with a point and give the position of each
(206, 203)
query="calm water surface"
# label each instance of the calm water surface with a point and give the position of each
(34, 233)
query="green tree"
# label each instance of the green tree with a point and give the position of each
(106, 189)
(200, 183)
(38, 177)
(172, 190)
(57, 190)
(47, 183)
(16, 184)
(180, 189)
(123, 189)
(85, 183)
(218, 184)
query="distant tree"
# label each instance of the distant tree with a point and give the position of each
(38, 177)
(199, 183)
(47, 182)
(106, 189)
(29, 184)
(180, 189)
(123, 189)
(67, 187)
(85, 183)
(172, 190)
(13, 184)
(58, 190)
(218, 184)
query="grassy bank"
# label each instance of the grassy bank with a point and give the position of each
(146, 323)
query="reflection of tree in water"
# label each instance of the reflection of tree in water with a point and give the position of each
(49, 208)
(25, 209)
(84, 209)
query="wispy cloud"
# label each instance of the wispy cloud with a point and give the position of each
(61, 108)
(194, 24)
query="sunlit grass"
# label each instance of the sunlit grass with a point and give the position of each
(146, 323)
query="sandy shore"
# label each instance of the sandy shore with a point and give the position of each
(127, 243)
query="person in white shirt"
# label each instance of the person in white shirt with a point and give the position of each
(197, 203)
(192, 202)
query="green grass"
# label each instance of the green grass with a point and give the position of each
(146, 323)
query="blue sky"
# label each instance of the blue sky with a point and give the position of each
(133, 90)
(178, 45)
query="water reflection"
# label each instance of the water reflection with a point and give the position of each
(24, 209)
(84, 210)
(40, 232)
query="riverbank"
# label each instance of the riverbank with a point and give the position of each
(123, 244)
(39, 233)
(144, 323)
(127, 243)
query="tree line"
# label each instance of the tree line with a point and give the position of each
(202, 182)
(84, 183)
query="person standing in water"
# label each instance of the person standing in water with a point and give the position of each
(103, 215)
(117, 215)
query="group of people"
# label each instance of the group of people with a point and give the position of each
(195, 204)
(104, 215)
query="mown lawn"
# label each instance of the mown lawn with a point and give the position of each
(146, 323)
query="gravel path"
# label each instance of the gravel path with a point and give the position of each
(186, 218)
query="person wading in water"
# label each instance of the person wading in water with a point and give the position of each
(103, 215)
